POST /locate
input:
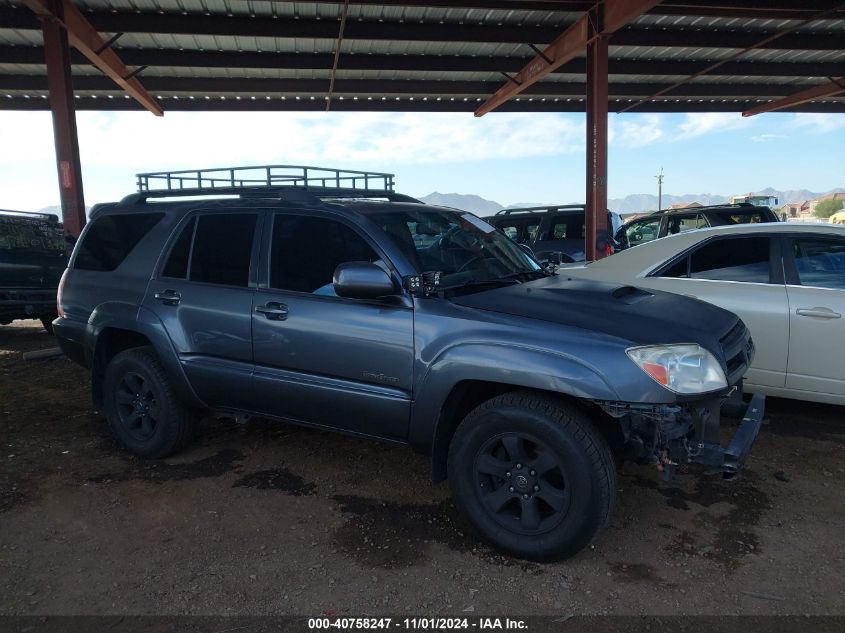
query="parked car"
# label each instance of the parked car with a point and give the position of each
(554, 233)
(523, 386)
(786, 281)
(32, 258)
(671, 221)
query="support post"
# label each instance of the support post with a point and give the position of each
(596, 229)
(57, 55)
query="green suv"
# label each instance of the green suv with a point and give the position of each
(32, 259)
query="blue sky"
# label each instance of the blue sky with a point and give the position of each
(508, 158)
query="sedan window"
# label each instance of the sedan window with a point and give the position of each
(737, 259)
(820, 262)
(729, 259)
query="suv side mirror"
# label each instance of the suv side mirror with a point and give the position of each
(362, 280)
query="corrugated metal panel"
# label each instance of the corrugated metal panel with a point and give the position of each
(668, 59)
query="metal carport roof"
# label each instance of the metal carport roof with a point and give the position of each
(433, 56)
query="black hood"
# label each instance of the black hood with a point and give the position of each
(643, 317)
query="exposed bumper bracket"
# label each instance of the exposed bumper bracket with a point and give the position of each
(731, 459)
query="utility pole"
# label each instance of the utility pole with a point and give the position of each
(660, 190)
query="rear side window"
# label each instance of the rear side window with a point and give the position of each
(222, 248)
(820, 262)
(748, 217)
(567, 227)
(111, 238)
(177, 261)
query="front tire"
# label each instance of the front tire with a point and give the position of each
(142, 409)
(532, 475)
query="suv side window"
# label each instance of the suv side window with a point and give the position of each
(522, 231)
(223, 248)
(305, 252)
(679, 224)
(111, 238)
(643, 231)
(511, 230)
(567, 227)
(177, 262)
(820, 262)
(731, 259)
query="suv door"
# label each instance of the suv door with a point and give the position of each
(320, 358)
(203, 296)
(816, 289)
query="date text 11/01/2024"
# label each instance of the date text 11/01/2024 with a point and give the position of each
(419, 623)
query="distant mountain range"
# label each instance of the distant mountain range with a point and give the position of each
(634, 203)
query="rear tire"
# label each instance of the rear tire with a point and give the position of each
(142, 409)
(532, 475)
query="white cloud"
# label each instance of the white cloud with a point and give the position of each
(636, 132)
(334, 139)
(116, 145)
(762, 138)
(701, 123)
(818, 122)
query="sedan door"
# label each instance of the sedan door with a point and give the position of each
(328, 360)
(816, 272)
(743, 275)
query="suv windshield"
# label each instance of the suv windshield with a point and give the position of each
(464, 248)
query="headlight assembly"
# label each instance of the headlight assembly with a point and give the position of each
(686, 369)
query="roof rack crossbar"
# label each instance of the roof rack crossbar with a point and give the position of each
(544, 207)
(262, 177)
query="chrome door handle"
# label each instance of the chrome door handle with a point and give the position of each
(273, 311)
(168, 297)
(819, 313)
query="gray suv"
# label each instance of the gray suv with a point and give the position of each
(326, 302)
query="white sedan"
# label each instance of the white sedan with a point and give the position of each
(785, 280)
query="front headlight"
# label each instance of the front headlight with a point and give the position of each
(680, 368)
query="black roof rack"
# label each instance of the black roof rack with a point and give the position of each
(545, 207)
(726, 205)
(299, 184)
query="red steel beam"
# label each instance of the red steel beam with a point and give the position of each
(85, 38)
(57, 54)
(761, 43)
(835, 87)
(568, 45)
(596, 229)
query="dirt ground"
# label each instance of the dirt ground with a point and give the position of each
(267, 518)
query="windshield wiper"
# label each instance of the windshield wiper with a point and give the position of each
(469, 283)
(521, 273)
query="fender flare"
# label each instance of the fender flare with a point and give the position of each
(125, 316)
(519, 366)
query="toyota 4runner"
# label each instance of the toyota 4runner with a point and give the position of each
(322, 297)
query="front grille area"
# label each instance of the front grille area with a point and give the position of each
(738, 350)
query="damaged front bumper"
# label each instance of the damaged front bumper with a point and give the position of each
(730, 460)
(669, 435)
